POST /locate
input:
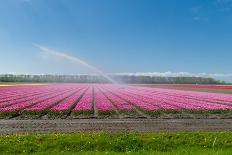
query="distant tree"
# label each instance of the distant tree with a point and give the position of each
(98, 79)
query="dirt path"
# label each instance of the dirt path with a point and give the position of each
(113, 125)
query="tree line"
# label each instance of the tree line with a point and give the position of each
(129, 79)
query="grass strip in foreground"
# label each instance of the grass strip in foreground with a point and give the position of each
(132, 143)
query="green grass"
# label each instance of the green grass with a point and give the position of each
(107, 113)
(18, 83)
(180, 113)
(84, 113)
(9, 83)
(192, 151)
(127, 143)
(224, 91)
(8, 114)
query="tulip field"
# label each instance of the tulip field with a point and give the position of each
(106, 100)
(191, 86)
(225, 89)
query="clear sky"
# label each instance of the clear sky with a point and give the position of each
(117, 35)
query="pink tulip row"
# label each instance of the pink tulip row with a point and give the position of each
(216, 97)
(24, 92)
(69, 102)
(131, 99)
(102, 103)
(86, 102)
(49, 102)
(27, 98)
(18, 95)
(160, 104)
(178, 102)
(33, 101)
(83, 97)
(117, 101)
(197, 96)
(149, 99)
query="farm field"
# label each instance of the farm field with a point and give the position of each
(114, 119)
(7, 84)
(110, 101)
(225, 89)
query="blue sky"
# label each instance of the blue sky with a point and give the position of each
(117, 36)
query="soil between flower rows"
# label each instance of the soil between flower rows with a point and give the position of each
(113, 125)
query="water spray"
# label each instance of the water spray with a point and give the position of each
(75, 60)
